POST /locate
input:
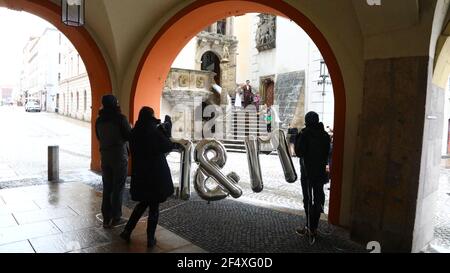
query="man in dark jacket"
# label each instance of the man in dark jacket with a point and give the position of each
(113, 131)
(313, 147)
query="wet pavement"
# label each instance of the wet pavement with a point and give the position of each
(58, 218)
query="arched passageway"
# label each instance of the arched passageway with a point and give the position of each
(168, 42)
(211, 62)
(90, 53)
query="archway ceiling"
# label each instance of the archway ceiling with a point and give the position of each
(389, 16)
(119, 27)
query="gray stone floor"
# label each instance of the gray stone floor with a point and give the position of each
(59, 218)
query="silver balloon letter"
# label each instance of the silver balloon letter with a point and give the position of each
(184, 147)
(252, 146)
(279, 139)
(210, 168)
(278, 142)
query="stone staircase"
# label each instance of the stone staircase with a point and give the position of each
(243, 123)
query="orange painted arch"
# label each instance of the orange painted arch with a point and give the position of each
(177, 31)
(96, 67)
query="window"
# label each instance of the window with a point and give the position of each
(78, 64)
(85, 101)
(222, 27)
(78, 101)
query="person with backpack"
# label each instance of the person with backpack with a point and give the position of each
(312, 147)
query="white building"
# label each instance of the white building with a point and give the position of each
(446, 132)
(74, 93)
(281, 62)
(293, 50)
(39, 77)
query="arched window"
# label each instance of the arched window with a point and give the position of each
(222, 27)
(85, 100)
(211, 62)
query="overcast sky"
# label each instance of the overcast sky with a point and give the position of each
(15, 29)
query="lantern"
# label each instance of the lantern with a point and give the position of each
(72, 12)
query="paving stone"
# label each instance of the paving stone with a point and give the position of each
(18, 247)
(29, 231)
(43, 215)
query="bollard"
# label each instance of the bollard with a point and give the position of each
(53, 163)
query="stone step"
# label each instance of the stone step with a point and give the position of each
(252, 122)
(250, 130)
(249, 124)
(244, 133)
(245, 114)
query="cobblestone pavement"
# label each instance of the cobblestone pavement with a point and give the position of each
(25, 164)
(441, 242)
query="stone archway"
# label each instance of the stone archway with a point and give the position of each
(168, 42)
(90, 53)
(211, 62)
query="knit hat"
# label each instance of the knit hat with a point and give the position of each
(109, 101)
(311, 118)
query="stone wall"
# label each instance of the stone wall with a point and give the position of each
(290, 96)
(184, 90)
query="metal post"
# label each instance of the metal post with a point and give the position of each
(53, 163)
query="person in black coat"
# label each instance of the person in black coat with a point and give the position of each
(151, 180)
(113, 131)
(313, 147)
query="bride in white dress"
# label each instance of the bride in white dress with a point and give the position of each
(238, 99)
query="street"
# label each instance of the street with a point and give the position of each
(26, 136)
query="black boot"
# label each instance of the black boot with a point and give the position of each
(107, 224)
(126, 235)
(151, 242)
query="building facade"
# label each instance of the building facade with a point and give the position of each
(74, 91)
(6, 95)
(446, 132)
(39, 76)
(279, 59)
(205, 69)
(54, 74)
(284, 65)
(215, 50)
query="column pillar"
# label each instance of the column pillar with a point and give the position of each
(397, 166)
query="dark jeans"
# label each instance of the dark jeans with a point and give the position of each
(114, 175)
(313, 202)
(153, 214)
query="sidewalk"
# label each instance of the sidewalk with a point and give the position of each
(64, 217)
